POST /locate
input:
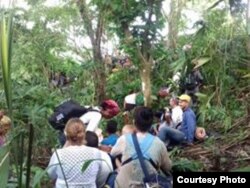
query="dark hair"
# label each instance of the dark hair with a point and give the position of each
(158, 114)
(111, 127)
(143, 117)
(91, 139)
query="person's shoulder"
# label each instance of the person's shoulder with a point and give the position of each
(157, 142)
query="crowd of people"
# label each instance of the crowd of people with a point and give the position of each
(116, 153)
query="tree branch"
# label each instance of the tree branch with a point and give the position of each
(84, 12)
(215, 4)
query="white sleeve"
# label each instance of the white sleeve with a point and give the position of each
(92, 119)
(52, 167)
(177, 116)
(119, 147)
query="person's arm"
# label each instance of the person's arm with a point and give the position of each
(52, 167)
(191, 124)
(165, 162)
(118, 147)
(94, 119)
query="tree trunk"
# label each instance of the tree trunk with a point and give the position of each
(99, 76)
(95, 38)
(146, 82)
(173, 22)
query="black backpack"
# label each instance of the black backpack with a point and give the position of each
(64, 111)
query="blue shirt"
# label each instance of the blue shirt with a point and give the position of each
(110, 140)
(188, 125)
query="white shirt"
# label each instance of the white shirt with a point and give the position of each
(72, 159)
(177, 116)
(92, 119)
(131, 99)
(105, 170)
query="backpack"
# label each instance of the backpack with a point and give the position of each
(64, 111)
(154, 179)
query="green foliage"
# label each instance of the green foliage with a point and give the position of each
(242, 169)
(185, 165)
(5, 56)
(4, 164)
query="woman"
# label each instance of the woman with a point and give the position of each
(130, 174)
(66, 164)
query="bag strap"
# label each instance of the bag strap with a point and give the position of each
(140, 156)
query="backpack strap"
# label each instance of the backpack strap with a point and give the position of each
(140, 156)
(146, 143)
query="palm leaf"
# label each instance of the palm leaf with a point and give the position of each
(246, 76)
(4, 165)
(88, 162)
(5, 55)
(199, 62)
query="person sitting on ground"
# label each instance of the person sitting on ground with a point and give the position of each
(185, 132)
(128, 129)
(65, 166)
(111, 129)
(106, 164)
(130, 173)
(5, 124)
(176, 113)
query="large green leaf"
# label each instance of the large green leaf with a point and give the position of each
(199, 62)
(5, 55)
(247, 75)
(4, 165)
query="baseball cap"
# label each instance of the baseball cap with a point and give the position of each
(185, 97)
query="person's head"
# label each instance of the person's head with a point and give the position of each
(109, 109)
(5, 124)
(128, 129)
(143, 118)
(184, 101)
(111, 127)
(173, 102)
(75, 131)
(91, 139)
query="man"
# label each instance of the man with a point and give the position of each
(188, 125)
(186, 131)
